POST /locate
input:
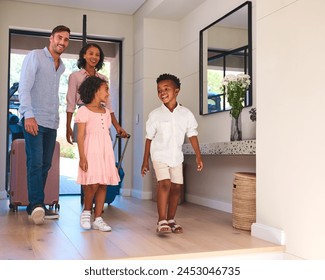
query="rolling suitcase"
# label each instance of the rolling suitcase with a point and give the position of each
(18, 194)
(113, 191)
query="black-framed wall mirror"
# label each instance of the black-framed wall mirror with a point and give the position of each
(225, 48)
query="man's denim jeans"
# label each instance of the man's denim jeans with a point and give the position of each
(39, 153)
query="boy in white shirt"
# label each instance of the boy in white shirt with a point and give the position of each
(166, 128)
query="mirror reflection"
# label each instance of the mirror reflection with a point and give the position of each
(225, 48)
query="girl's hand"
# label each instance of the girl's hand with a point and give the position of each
(83, 164)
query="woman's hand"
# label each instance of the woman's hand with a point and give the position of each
(122, 132)
(69, 135)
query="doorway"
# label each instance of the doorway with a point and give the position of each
(20, 43)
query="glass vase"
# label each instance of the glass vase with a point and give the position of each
(236, 129)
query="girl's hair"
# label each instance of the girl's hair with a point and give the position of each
(171, 77)
(89, 87)
(81, 63)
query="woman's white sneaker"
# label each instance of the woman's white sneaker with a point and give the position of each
(101, 225)
(85, 219)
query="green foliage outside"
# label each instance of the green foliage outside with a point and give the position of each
(214, 80)
(16, 61)
(67, 151)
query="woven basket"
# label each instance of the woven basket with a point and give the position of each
(244, 200)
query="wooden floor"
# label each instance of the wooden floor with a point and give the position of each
(206, 232)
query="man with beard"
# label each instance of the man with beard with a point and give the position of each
(39, 110)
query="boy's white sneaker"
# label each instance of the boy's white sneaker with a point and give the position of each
(101, 225)
(85, 219)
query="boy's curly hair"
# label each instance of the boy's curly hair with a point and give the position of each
(89, 87)
(171, 77)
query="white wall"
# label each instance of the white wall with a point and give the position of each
(156, 51)
(290, 152)
(173, 46)
(40, 17)
(213, 186)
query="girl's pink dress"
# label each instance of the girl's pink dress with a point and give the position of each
(98, 149)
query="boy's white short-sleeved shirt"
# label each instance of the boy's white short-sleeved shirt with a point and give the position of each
(167, 131)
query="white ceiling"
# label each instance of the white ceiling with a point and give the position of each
(166, 9)
(126, 7)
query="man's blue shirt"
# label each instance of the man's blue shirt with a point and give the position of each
(39, 88)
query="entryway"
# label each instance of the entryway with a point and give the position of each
(21, 42)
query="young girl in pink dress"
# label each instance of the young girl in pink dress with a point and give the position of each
(96, 164)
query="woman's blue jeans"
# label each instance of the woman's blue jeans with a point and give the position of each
(39, 153)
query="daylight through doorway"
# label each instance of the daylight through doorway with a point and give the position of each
(22, 42)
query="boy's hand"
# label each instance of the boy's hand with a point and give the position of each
(199, 165)
(144, 169)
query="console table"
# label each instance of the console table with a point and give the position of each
(244, 147)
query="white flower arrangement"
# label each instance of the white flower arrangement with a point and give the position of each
(235, 88)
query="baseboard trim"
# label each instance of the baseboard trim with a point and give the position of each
(268, 233)
(141, 194)
(125, 192)
(215, 204)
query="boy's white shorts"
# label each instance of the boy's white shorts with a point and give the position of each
(163, 172)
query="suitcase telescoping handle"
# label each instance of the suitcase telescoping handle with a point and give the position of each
(118, 136)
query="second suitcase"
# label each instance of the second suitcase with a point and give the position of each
(113, 191)
(18, 193)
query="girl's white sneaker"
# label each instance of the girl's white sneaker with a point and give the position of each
(85, 219)
(101, 225)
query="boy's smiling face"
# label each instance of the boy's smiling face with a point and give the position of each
(167, 93)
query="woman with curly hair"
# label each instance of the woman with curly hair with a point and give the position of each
(91, 60)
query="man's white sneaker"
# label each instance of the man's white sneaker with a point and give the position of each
(85, 219)
(101, 225)
(38, 215)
